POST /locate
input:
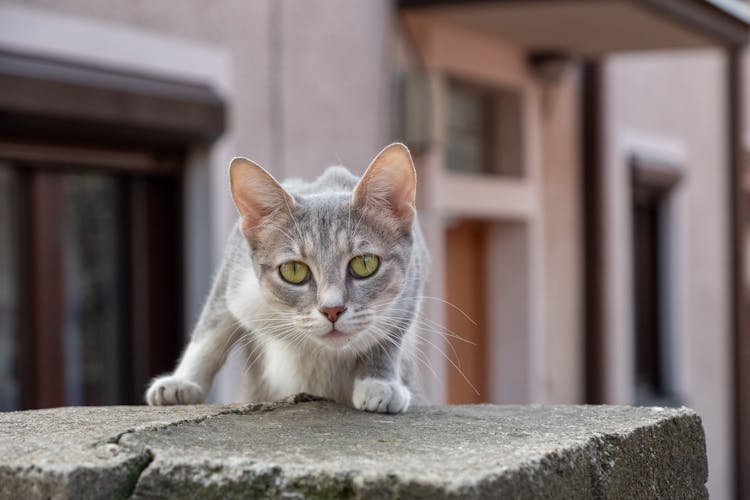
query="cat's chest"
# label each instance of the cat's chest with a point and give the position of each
(288, 370)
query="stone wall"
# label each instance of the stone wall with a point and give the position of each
(304, 448)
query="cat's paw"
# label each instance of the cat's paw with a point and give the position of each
(379, 395)
(170, 390)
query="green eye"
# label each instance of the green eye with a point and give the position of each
(294, 272)
(364, 266)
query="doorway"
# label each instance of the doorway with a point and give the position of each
(466, 292)
(654, 341)
(487, 282)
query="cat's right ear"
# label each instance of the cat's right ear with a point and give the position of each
(256, 193)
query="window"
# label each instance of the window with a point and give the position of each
(648, 302)
(90, 295)
(484, 130)
(653, 338)
(91, 228)
(96, 271)
(10, 377)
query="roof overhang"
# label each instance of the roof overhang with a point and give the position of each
(591, 28)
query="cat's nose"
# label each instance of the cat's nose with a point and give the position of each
(332, 313)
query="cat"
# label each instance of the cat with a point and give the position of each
(320, 287)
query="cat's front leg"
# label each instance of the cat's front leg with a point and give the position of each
(204, 355)
(377, 385)
(380, 395)
(172, 390)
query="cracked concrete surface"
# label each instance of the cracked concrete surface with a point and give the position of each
(305, 448)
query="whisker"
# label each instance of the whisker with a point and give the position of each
(460, 371)
(425, 325)
(446, 302)
(452, 347)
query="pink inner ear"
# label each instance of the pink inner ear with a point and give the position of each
(398, 191)
(389, 183)
(256, 193)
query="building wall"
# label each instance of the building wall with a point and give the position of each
(334, 84)
(308, 84)
(671, 106)
(510, 207)
(298, 94)
(311, 80)
(534, 296)
(562, 198)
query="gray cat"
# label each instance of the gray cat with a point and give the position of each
(320, 286)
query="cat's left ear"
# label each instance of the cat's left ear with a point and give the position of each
(389, 184)
(256, 193)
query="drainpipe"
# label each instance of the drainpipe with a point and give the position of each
(739, 317)
(591, 133)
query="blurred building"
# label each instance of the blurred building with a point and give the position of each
(581, 171)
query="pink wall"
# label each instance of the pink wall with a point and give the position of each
(670, 105)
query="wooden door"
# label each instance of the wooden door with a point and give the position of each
(465, 289)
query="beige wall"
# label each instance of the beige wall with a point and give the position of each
(561, 188)
(335, 84)
(671, 106)
(534, 244)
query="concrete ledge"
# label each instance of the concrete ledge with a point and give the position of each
(305, 448)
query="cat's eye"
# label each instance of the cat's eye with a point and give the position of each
(294, 272)
(364, 266)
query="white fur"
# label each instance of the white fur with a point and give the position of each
(378, 395)
(245, 298)
(280, 370)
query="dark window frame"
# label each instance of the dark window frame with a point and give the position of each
(60, 116)
(155, 257)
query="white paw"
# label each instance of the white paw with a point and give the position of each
(170, 390)
(382, 396)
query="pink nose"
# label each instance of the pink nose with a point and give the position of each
(332, 313)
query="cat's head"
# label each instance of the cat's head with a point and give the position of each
(330, 261)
